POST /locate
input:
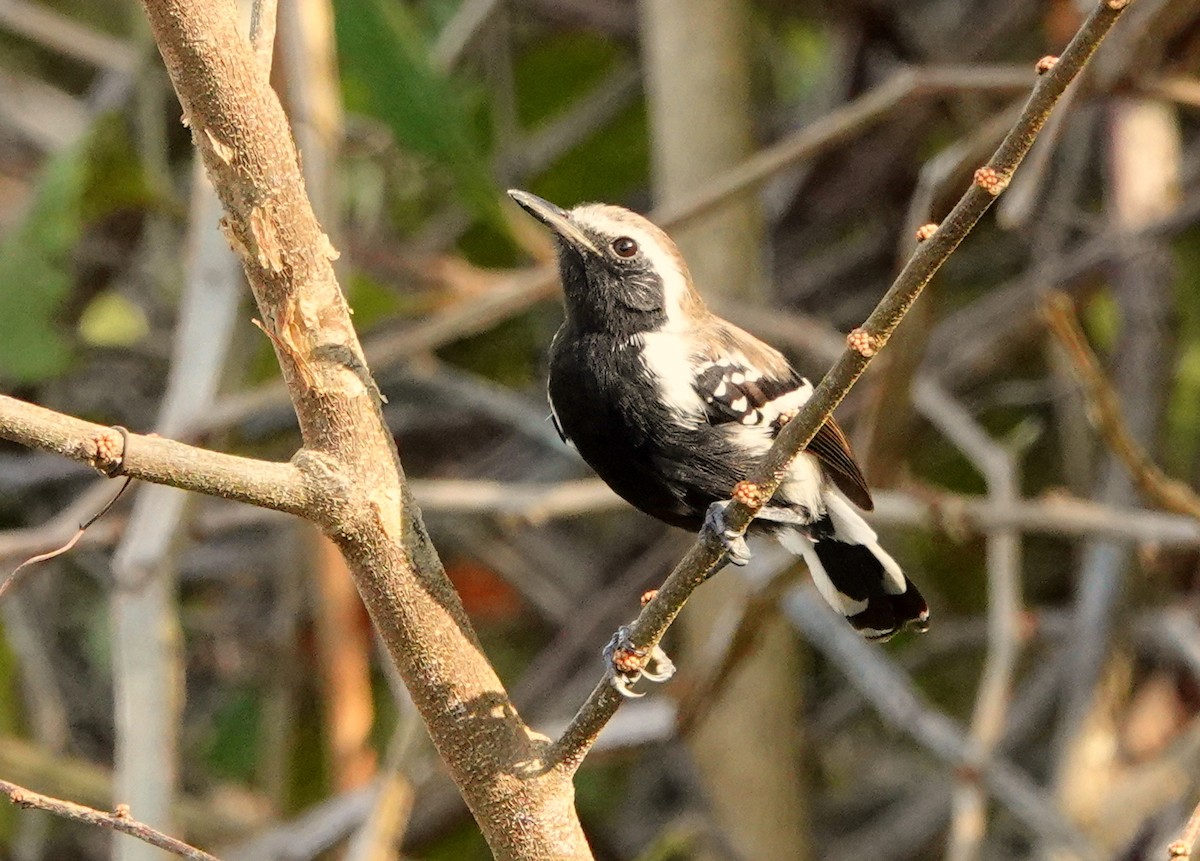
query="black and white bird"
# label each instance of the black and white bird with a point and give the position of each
(672, 406)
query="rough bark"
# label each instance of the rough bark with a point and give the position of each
(239, 127)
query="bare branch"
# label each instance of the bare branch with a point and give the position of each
(280, 486)
(240, 129)
(892, 694)
(1104, 409)
(1182, 847)
(118, 821)
(706, 555)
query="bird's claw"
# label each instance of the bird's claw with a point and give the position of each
(734, 543)
(627, 663)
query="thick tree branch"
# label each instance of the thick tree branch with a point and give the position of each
(280, 486)
(706, 555)
(525, 811)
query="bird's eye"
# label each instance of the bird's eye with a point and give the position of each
(624, 247)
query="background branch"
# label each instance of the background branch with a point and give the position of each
(1104, 409)
(119, 821)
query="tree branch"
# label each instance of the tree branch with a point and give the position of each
(118, 821)
(525, 811)
(280, 486)
(706, 555)
(1104, 410)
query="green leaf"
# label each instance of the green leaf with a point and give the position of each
(387, 73)
(111, 320)
(35, 271)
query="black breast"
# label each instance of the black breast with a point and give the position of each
(607, 405)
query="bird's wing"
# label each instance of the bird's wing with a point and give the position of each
(747, 382)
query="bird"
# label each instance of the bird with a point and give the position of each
(673, 406)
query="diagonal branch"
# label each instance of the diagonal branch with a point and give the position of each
(706, 555)
(1104, 410)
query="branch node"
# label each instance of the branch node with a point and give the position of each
(991, 180)
(926, 231)
(1117, 5)
(109, 448)
(863, 342)
(122, 811)
(1045, 64)
(750, 495)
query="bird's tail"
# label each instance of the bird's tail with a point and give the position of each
(854, 574)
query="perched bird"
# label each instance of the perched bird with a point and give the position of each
(672, 406)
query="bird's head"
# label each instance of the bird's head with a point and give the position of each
(620, 273)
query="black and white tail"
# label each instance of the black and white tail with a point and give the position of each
(854, 574)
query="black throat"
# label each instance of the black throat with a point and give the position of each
(609, 298)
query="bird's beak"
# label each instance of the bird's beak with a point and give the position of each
(554, 217)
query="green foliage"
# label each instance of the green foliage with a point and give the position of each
(387, 73)
(551, 76)
(606, 166)
(553, 72)
(508, 354)
(35, 271)
(369, 300)
(96, 176)
(1183, 409)
(231, 750)
(111, 320)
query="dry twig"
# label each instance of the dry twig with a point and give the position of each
(120, 820)
(1104, 409)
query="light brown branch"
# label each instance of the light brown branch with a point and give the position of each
(1182, 847)
(706, 555)
(281, 486)
(1104, 410)
(525, 811)
(118, 821)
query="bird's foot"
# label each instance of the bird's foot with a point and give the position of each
(627, 663)
(734, 544)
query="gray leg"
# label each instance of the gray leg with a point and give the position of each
(626, 664)
(734, 544)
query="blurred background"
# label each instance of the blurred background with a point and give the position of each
(210, 664)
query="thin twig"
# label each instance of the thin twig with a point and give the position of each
(526, 288)
(706, 555)
(11, 579)
(117, 821)
(1104, 410)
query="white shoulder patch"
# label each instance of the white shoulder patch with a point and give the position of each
(667, 357)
